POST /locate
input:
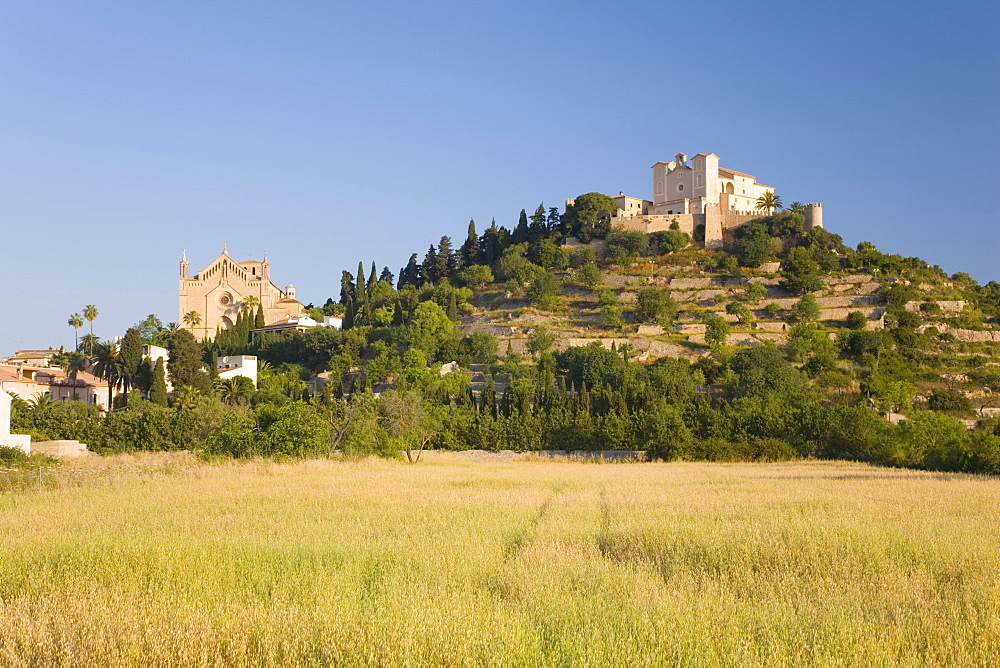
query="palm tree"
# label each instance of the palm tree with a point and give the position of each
(73, 363)
(234, 391)
(42, 401)
(250, 303)
(106, 367)
(76, 322)
(87, 342)
(90, 314)
(768, 202)
(192, 319)
(797, 207)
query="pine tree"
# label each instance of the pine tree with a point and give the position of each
(555, 220)
(430, 266)
(446, 260)
(521, 231)
(537, 229)
(410, 274)
(470, 249)
(386, 276)
(346, 287)
(158, 388)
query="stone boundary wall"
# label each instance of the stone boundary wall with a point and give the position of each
(946, 306)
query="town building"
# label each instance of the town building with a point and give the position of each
(29, 382)
(699, 194)
(221, 290)
(237, 365)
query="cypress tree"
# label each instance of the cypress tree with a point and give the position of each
(158, 387)
(521, 231)
(488, 396)
(348, 314)
(372, 280)
(555, 220)
(258, 320)
(470, 249)
(359, 291)
(130, 357)
(397, 314)
(452, 307)
(144, 377)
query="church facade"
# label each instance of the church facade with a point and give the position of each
(218, 292)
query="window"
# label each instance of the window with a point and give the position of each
(697, 180)
(680, 187)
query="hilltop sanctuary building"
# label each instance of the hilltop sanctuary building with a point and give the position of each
(219, 291)
(700, 193)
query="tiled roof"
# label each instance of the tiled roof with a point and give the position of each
(733, 171)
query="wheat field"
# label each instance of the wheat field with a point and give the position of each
(162, 560)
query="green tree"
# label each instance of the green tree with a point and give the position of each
(129, 358)
(801, 272)
(856, 320)
(540, 341)
(470, 248)
(768, 202)
(106, 367)
(76, 322)
(755, 293)
(192, 319)
(806, 309)
(430, 327)
(625, 246)
(544, 290)
(655, 304)
(185, 367)
(740, 310)
(588, 209)
(476, 275)
(158, 387)
(90, 315)
(716, 330)
(589, 275)
(753, 246)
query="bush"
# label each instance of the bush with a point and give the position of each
(948, 400)
(544, 291)
(624, 246)
(589, 275)
(856, 320)
(671, 241)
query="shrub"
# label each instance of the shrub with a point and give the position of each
(625, 246)
(948, 400)
(589, 275)
(856, 320)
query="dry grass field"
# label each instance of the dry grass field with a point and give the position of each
(161, 560)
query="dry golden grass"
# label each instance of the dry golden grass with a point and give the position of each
(160, 560)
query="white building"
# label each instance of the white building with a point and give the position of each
(699, 194)
(237, 365)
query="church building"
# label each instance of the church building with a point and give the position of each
(218, 292)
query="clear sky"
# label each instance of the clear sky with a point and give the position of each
(330, 132)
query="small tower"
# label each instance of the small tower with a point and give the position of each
(184, 264)
(265, 269)
(290, 291)
(814, 215)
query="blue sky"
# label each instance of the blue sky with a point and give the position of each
(326, 133)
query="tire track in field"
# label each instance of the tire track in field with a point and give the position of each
(524, 537)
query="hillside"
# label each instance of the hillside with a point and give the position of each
(575, 334)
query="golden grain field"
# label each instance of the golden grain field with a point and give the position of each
(160, 560)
